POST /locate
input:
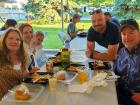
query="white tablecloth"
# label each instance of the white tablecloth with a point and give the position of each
(99, 96)
(80, 43)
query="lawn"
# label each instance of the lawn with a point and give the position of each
(52, 40)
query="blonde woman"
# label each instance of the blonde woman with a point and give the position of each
(13, 62)
(27, 34)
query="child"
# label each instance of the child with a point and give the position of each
(38, 39)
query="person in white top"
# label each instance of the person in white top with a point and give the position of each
(27, 34)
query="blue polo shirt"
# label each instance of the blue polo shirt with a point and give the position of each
(71, 28)
(111, 35)
(127, 66)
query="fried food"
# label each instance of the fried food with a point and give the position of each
(22, 93)
(72, 68)
(98, 64)
(40, 78)
(60, 75)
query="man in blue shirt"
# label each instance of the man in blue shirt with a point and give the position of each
(109, 17)
(127, 64)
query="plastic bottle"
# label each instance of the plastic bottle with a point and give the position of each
(67, 44)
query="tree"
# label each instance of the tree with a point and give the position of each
(46, 11)
(125, 9)
(96, 2)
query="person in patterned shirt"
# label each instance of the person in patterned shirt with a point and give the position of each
(13, 61)
(127, 64)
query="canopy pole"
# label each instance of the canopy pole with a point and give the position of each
(62, 15)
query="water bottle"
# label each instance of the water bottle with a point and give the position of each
(67, 44)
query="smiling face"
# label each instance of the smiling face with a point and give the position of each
(130, 37)
(13, 41)
(27, 34)
(39, 39)
(98, 22)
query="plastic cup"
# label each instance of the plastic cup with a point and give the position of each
(52, 84)
(49, 66)
(82, 76)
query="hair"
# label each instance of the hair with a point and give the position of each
(107, 14)
(75, 16)
(9, 23)
(23, 25)
(21, 53)
(97, 11)
(39, 33)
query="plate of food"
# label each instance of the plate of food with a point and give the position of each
(56, 60)
(73, 67)
(23, 93)
(82, 34)
(98, 65)
(110, 75)
(38, 78)
(65, 77)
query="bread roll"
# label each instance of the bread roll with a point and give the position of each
(61, 75)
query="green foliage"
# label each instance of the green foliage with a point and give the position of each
(49, 11)
(125, 9)
(96, 2)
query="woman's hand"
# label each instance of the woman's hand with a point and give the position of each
(34, 69)
(136, 98)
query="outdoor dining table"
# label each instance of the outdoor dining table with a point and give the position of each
(99, 96)
(80, 43)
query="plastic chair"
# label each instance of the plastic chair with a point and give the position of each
(62, 37)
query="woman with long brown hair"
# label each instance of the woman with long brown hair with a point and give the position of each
(13, 60)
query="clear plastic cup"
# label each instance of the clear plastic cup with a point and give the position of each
(49, 66)
(53, 84)
(82, 76)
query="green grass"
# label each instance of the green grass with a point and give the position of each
(52, 40)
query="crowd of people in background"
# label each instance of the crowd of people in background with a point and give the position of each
(19, 44)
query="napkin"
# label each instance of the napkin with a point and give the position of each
(87, 87)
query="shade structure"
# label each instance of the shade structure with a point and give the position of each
(62, 15)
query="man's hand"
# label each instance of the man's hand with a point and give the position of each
(90, 49)
(136, 98)
(89, 53)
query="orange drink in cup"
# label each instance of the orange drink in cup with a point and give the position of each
(82, 76)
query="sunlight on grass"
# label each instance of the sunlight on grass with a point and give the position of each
(52, 40)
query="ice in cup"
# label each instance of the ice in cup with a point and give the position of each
(82, 76)
(52, 84)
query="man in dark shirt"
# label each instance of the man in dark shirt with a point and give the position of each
(127, 64)
(105, 34)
